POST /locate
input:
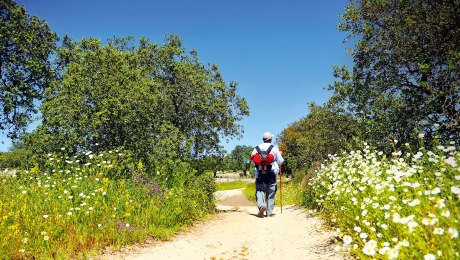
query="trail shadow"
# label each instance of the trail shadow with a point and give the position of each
(256, 215)
(228, 210)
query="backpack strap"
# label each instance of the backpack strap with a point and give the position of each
(263, 157)
(258, 150)
(260, 155)
(269, 149)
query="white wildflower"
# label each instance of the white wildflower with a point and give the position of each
(438, 231)
(412, 224)
(347, 239)
(429, 257)
(436, 190)
(393, 254)
(451, 161)
(384, 250)
(453, 233)
(367, 250)
(445, 213)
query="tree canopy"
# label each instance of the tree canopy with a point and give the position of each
(315, 136)
(405, 78)
(238, 159)
(157, 101)
(26, 44)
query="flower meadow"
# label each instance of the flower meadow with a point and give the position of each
(403, 206)
(77, 206)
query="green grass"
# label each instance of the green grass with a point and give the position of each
(291, 192)
(73, 210)
(231, 185)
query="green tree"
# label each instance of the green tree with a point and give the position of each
(312, 138)
(213, 161)
(195, 98)
(158, 102)
(26, 43)
(18, 156)
(405, 78)
(239, 158)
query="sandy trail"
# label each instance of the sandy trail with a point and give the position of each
(237, 233)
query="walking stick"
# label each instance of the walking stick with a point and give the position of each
(281, 191)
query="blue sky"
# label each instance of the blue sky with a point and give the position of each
(280, 52)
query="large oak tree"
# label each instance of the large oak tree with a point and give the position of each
(159, 102)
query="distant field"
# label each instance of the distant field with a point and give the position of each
(231, 185)
(234, 177)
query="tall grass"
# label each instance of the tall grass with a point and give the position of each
(403, 207)
(73, 208)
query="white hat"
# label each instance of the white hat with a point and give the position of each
(267, 136)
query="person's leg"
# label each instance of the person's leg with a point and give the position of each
(261, 189)
(260, 195)
(271, 192)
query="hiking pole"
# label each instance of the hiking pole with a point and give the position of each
(281, 191)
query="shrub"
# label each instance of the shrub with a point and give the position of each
(406, 206)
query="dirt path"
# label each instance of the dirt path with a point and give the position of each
(237, 233)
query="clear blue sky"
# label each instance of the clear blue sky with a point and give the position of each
(280, 52)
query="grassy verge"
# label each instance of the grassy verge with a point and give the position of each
(231, 185)
(403, 207)
(72, 210)
(291, 193)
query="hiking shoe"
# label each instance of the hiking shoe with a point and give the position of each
(261, 212)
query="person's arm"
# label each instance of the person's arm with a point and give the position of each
(278, 157)
(276, 168)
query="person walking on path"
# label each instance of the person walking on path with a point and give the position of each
(267, 159)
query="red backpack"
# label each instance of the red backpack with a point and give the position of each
(263, 159)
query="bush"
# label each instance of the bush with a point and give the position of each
(406, 206)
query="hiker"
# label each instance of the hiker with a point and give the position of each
(267, 159)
